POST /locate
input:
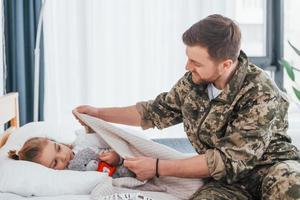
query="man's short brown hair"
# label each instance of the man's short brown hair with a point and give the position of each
(219, 34)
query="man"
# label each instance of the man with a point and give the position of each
(233, 114)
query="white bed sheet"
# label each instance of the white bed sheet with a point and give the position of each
(10, 196)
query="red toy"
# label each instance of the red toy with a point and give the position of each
(105, 167)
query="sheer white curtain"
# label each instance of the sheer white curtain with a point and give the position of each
(116, 52)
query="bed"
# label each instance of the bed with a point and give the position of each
(9, 115)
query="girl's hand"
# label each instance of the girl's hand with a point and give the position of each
(111, 157)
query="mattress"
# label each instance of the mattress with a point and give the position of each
(9, 196)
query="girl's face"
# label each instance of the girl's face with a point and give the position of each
(55, 155)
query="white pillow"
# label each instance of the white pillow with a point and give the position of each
(28, 178)
(31, 179)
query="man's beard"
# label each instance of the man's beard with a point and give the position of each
(203, 81)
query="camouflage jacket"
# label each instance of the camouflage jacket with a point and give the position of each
(242, 128)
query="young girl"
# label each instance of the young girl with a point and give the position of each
(54, 155)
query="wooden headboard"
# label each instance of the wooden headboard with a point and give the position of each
(9, 113)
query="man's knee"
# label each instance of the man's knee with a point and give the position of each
(208, 193)
(282, 181)
(220, 191)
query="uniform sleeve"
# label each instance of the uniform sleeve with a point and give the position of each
(247, 136)
(165, 110)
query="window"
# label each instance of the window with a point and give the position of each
(291, 33)
(251, 16)
(274, 37)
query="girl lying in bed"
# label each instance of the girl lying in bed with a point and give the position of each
(58, 156)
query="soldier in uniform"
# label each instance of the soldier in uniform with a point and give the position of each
(233, 114)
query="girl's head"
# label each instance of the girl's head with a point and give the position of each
(45, 152)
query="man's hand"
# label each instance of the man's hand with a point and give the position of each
(121, 115)
(85, 109)
(89, 110)
(143, 167)
(111, 157)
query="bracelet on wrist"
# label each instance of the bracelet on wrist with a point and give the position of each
(156, 168)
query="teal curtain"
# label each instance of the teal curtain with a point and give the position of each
(20, 26)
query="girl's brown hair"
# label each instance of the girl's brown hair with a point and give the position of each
(30, 151)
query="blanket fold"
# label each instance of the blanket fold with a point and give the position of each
(129, 145)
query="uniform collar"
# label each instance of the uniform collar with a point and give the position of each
(234, 85)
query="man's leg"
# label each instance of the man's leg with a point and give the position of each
(282, 181)
(215, 190)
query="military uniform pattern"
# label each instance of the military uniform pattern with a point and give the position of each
(240, 130)
(276, 182)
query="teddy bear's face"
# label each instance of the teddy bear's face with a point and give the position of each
(84, 160)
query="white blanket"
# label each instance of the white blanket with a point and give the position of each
(126, 144)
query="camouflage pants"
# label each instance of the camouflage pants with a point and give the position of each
(280, 181)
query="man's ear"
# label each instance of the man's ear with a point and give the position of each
(227, 64)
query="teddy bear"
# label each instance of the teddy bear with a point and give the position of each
(87, 160)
